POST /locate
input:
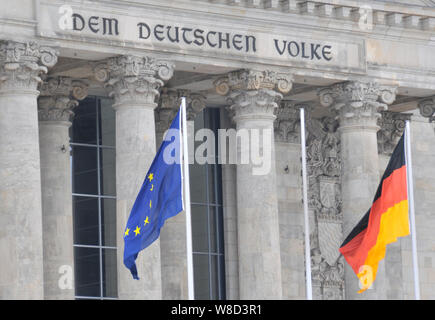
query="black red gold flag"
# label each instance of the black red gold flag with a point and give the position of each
(384, 222)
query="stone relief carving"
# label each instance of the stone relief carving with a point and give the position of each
(392, 125)
(324, 200)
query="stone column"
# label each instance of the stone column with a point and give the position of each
(173, 235)
(358, 111)
(134, 83)
(392, 125)
(21, 270)
(254, 96)
(58, 97)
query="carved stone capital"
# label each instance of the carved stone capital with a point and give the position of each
(58, 97)
(22, 63)
(253, 94)
(357, 103)
(254, 104)
(169, 103)
(254, 80)
(392, 125)
(287, 123)
(132, 79)
(427, 108)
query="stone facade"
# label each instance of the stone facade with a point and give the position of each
(360, 70)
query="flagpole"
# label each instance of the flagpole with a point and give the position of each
(309, 289)
(411, 208)
(190, 286)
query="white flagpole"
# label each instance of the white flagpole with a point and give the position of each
(306, 218)
(410, 184)
(190, 286)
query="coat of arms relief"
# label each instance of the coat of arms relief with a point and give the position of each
(324, 202)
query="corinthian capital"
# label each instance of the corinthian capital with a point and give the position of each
(252, 93)
(58, 97)
(427, 108)
(254, 80)
(169, 103)
(357, 102)
(392, 125)
(133, 79)
(22, 63)
(286, 125)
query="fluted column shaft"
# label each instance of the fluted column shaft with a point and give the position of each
(21, 270)
(134, 83)
(253, 97)
(58, 98)
(358, 111)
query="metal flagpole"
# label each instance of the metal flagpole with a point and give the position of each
(305, 199)
(190, 287)
(410, 184)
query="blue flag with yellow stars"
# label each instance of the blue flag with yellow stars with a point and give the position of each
(159, 198)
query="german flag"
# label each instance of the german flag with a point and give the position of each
(385, 221)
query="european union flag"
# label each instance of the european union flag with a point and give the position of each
(159, 198)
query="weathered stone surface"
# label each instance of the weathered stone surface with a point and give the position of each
(58, 97)
(21, 65)
(253, 103)
(133, 82)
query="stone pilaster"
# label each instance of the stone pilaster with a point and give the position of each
(358, 105)
(21, 273)
(173, 235)
(58, 97)
(134, 83)
(254, 98)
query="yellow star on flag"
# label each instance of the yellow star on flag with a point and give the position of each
(150, 177)
(126, 232)
(152, 187)
(137, 230)
(146, 221)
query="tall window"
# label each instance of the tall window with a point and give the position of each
(207, 219)
(94, 199)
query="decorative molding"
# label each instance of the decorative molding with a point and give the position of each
(58, 96)
(374, 15)
(392, 125)
(133, 79)
(427, 108)
(22, 63)
(357, 103)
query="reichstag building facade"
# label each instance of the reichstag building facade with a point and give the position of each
(88, 88)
